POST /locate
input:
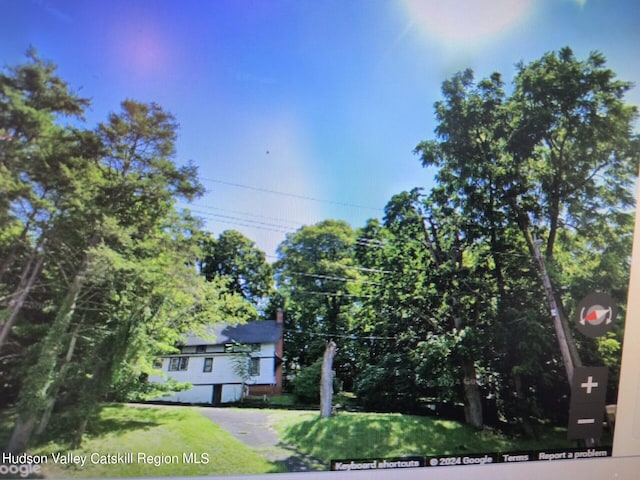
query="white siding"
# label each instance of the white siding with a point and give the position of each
(197, 394)
(222, 374)
(231, 393)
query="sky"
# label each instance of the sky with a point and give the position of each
(297, 111)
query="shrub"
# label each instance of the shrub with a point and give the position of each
(306, 385)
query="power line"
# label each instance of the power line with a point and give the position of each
(350, 336)
(229, 222)
(349, 267)
(332, 294)
(330, 277)
(246, 222)
(249, 214)
(288, 194)
(361, 241)
(373, 270)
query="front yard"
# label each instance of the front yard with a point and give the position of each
(183, 442)
(163, 433)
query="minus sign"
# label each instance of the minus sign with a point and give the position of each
(585, 421)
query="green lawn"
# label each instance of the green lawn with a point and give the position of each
(371, 435)
(178, 430)
(157, 431)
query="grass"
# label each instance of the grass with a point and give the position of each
(178, 430)
(375, 435)
(284, 400)
(163, 431)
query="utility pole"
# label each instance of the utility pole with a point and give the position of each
(568, 349)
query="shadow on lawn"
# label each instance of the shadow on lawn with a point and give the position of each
(298, 461)
(112, 419)
(357, 436)
(118, 419)
(103, 426)
(62, 427)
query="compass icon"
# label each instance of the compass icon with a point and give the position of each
(596, 314)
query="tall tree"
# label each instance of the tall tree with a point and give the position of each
(315, 274)
(236, 257)
(433, 306)
(38, 172)
(556, 154)
(117, 245)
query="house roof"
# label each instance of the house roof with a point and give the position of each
(265, 331)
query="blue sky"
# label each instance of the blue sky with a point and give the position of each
(321, 100)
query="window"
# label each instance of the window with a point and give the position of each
(157, 363)
(178, 364)
(254, 367)
(208, 364)
(201, 348)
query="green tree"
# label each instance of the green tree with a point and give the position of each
(557, 154)
(553, 163)
(315, 274)
(38, 172)
(93, 222)
(234, 256)
(431, 296)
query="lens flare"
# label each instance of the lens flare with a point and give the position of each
(466, 23)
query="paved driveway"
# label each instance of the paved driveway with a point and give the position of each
(253, 428)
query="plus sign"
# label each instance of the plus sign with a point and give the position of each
(589, 384)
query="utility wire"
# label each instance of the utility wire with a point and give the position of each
(349, 267)
(329, 277)
(245, 222)
(288, 194)
(248, 214)
(332, 294)
(350, 336)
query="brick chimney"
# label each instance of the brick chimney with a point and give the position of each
(279, 316)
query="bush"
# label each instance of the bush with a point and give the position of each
(389, 386)
(306, 385)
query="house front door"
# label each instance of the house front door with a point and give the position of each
(217, 394)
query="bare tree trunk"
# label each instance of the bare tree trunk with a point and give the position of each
(25, 286)
(326, 380)
(472, 395)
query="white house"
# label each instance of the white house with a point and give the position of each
(212, 366)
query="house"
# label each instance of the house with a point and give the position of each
(248, 355)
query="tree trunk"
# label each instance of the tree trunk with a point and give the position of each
(82, 427)
(11, 257)
(51, 401)
(25, 286)
(522, 407)
(326, 380)
(21, 433)
(36, 389)
(472, 395)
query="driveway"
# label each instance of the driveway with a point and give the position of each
(253, 428)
